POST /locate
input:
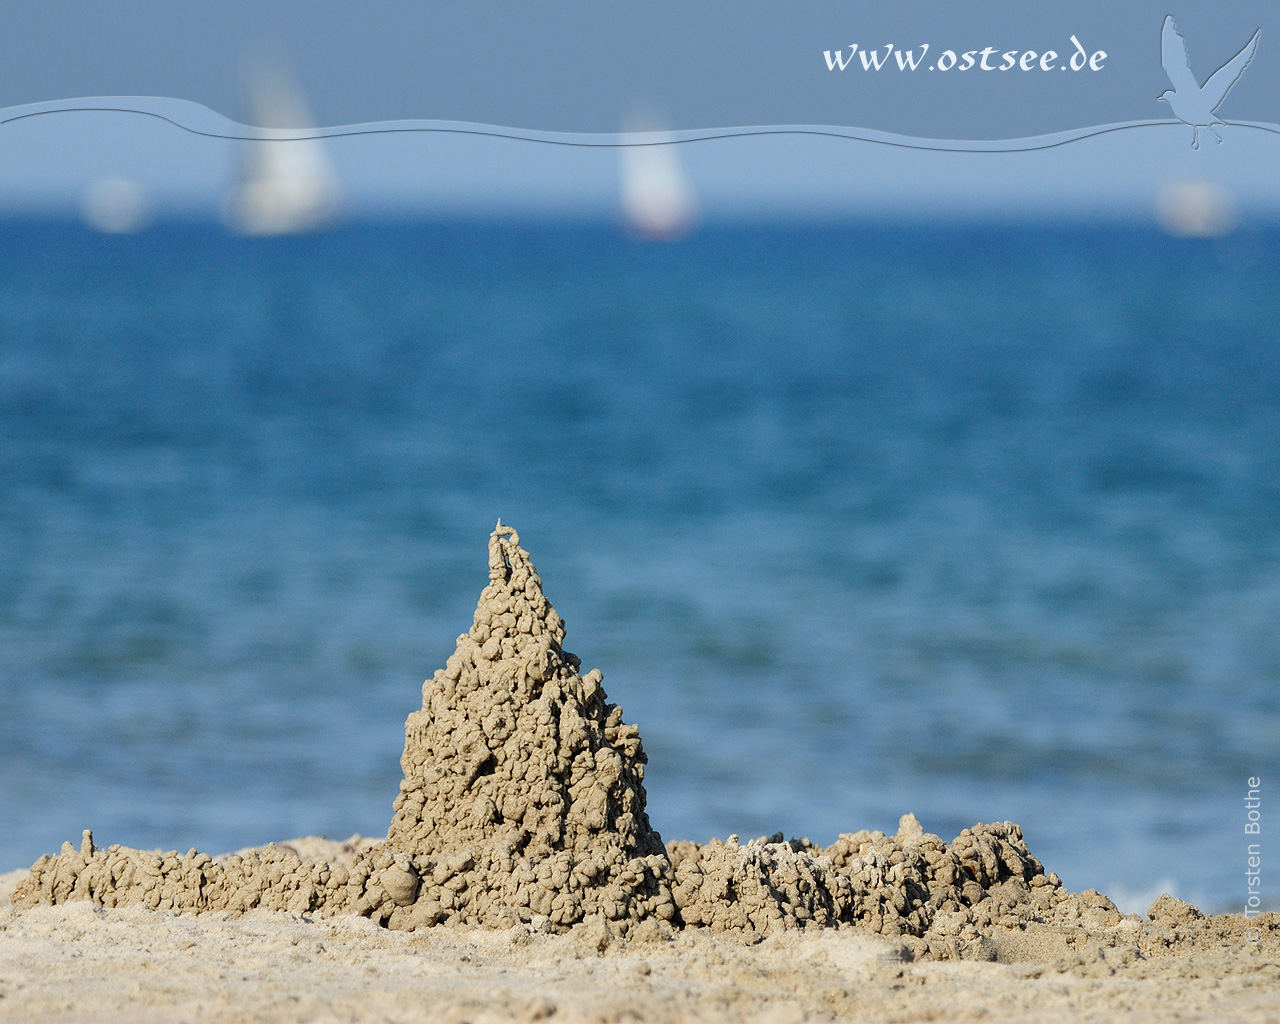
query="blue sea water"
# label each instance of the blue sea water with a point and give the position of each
(977, 522)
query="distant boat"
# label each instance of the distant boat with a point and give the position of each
(116, 206)
(657, 197)
(283, 186)
(1196, 209)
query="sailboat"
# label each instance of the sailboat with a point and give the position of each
(657, 198)
(283, 186)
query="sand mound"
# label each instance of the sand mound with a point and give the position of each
(520, 779)
(523, 805)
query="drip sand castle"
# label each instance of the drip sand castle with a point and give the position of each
(523, 807)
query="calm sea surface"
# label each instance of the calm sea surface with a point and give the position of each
(978, 523)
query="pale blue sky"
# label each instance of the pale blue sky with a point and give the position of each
(579, 65)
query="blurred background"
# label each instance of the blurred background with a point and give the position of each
(874, 480)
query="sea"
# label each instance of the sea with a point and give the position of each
(978, 521)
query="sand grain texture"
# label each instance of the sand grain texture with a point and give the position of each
(80, 962)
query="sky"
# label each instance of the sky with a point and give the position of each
(579, 66)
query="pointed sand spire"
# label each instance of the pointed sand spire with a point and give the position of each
(521, 778)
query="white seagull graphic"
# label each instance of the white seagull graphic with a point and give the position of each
(1191, 102)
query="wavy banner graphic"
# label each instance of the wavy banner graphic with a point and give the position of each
(1192, 104)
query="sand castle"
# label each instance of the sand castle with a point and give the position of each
(523, 805)
(521, 779)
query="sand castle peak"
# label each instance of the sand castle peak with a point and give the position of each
(518, 764)
(513, 604)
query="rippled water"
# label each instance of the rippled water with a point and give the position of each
(978, 523)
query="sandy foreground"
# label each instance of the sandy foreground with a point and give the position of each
(80, 961)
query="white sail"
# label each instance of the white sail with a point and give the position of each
(657, 197)
(116, 206)
(284, 186)
(1196, 209)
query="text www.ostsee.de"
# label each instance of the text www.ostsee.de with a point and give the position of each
(989, 58)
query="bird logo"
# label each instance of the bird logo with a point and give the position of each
(1192, 103)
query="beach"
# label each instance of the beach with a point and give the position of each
(966, 629)
(521, 879)
(901, 451)
(84, 962)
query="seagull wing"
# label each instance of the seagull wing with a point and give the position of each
(1173, 55)
(1221, 81)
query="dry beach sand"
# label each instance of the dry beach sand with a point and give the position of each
(520, 879)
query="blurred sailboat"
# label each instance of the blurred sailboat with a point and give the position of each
(1196, 209)
(657, 197)
(283, 186)
(116, 206)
